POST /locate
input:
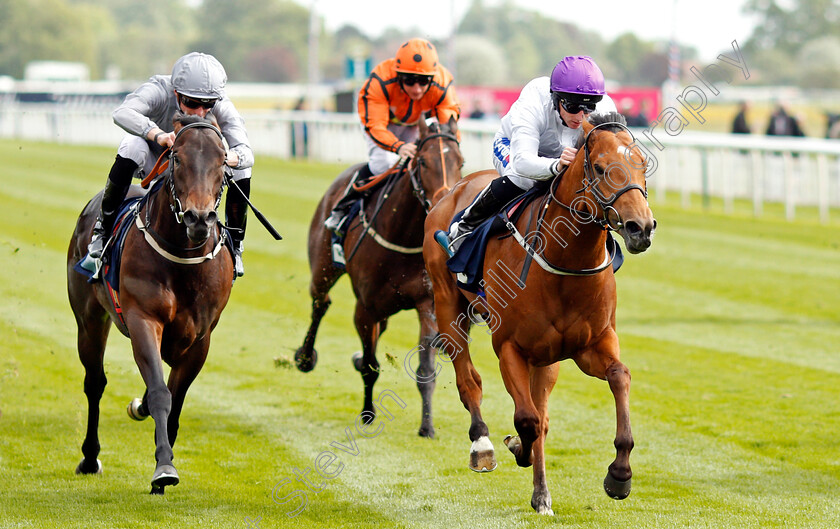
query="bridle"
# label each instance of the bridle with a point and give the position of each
(414, 170)
(154, 239)
(175, 205)
(590, 184)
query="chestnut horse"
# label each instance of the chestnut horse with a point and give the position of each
(564, 308)
(385, 262)
(173, 284)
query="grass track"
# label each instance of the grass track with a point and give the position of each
(729, 325)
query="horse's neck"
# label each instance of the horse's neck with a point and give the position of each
(574, 239)
(408, 213)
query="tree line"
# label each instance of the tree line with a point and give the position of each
(496, 45)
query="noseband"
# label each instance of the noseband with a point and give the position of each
(414, 172)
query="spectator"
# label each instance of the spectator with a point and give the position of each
(783, 124)
(740, 124)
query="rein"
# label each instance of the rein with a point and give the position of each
(154, 239)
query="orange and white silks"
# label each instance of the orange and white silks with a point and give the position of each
(382, 101)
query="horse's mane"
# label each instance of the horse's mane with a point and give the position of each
(612, 121)
(187, 119)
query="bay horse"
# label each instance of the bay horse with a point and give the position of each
(564, 308)
(385, 262)
(173, 284)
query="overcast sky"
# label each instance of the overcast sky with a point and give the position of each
(709, 26)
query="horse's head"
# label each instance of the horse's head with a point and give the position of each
(437, 164)
(614, 180)
(197, 173)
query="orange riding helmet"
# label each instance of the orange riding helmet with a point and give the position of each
(417, 56)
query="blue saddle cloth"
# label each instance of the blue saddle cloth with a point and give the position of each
(112, 258)
(468, 262)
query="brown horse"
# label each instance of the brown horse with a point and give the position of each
(554, 313)
(173, 284)
(384, 261)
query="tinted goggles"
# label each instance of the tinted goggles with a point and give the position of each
(197, 103)
(411, 79)
(573, 107)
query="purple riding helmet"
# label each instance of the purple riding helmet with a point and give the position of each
(577, 83)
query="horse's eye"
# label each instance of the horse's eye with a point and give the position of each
(599, 169)
(421, 161)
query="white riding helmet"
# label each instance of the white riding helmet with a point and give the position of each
(199, 76)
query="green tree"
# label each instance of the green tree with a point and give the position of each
(820, 63)
(37, 30)
(256, 40)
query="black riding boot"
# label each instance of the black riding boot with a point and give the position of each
(236, 210)
(350, 196)
(116, 188)
(489, 202)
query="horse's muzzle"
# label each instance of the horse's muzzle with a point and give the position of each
(638, 237)
(199, 224)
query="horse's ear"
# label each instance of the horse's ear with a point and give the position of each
(176, 123)
(212, 118)
(424, 129)
(587, 126)
(453, 125)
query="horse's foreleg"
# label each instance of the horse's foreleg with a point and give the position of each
(368, 329)
(617, 482)
(542, 382)
(91, 344)
(426, 373)
(603, 362)
(324, 276)
(180, 379)
(145, 342)
(526, 419)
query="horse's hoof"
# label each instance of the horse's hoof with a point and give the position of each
(542, 506)
(156, 491)
(306, 363)
(82, 470)
(514, 444)
(134, 409)
(482, 455)
(428, 433)
(617, 490)
(165, 475)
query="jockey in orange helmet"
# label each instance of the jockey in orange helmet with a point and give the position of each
(392, 101)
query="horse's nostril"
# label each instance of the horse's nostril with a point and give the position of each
(632, 228)
(211, 218)
(190, 217)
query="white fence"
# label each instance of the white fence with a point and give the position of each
(792, 171)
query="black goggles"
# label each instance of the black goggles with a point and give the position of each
(197, 103)
(411, 79)
(573, 107)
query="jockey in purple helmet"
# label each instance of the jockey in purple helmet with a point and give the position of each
(537, 136)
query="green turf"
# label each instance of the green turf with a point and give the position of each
(729, 324)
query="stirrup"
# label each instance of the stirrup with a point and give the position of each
(442, 239)
(335, 220)
(238, 265)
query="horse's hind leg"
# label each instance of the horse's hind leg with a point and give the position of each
(426, 374)
(453, 322)
(369, 330)
(324, 276)
(92, 336)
